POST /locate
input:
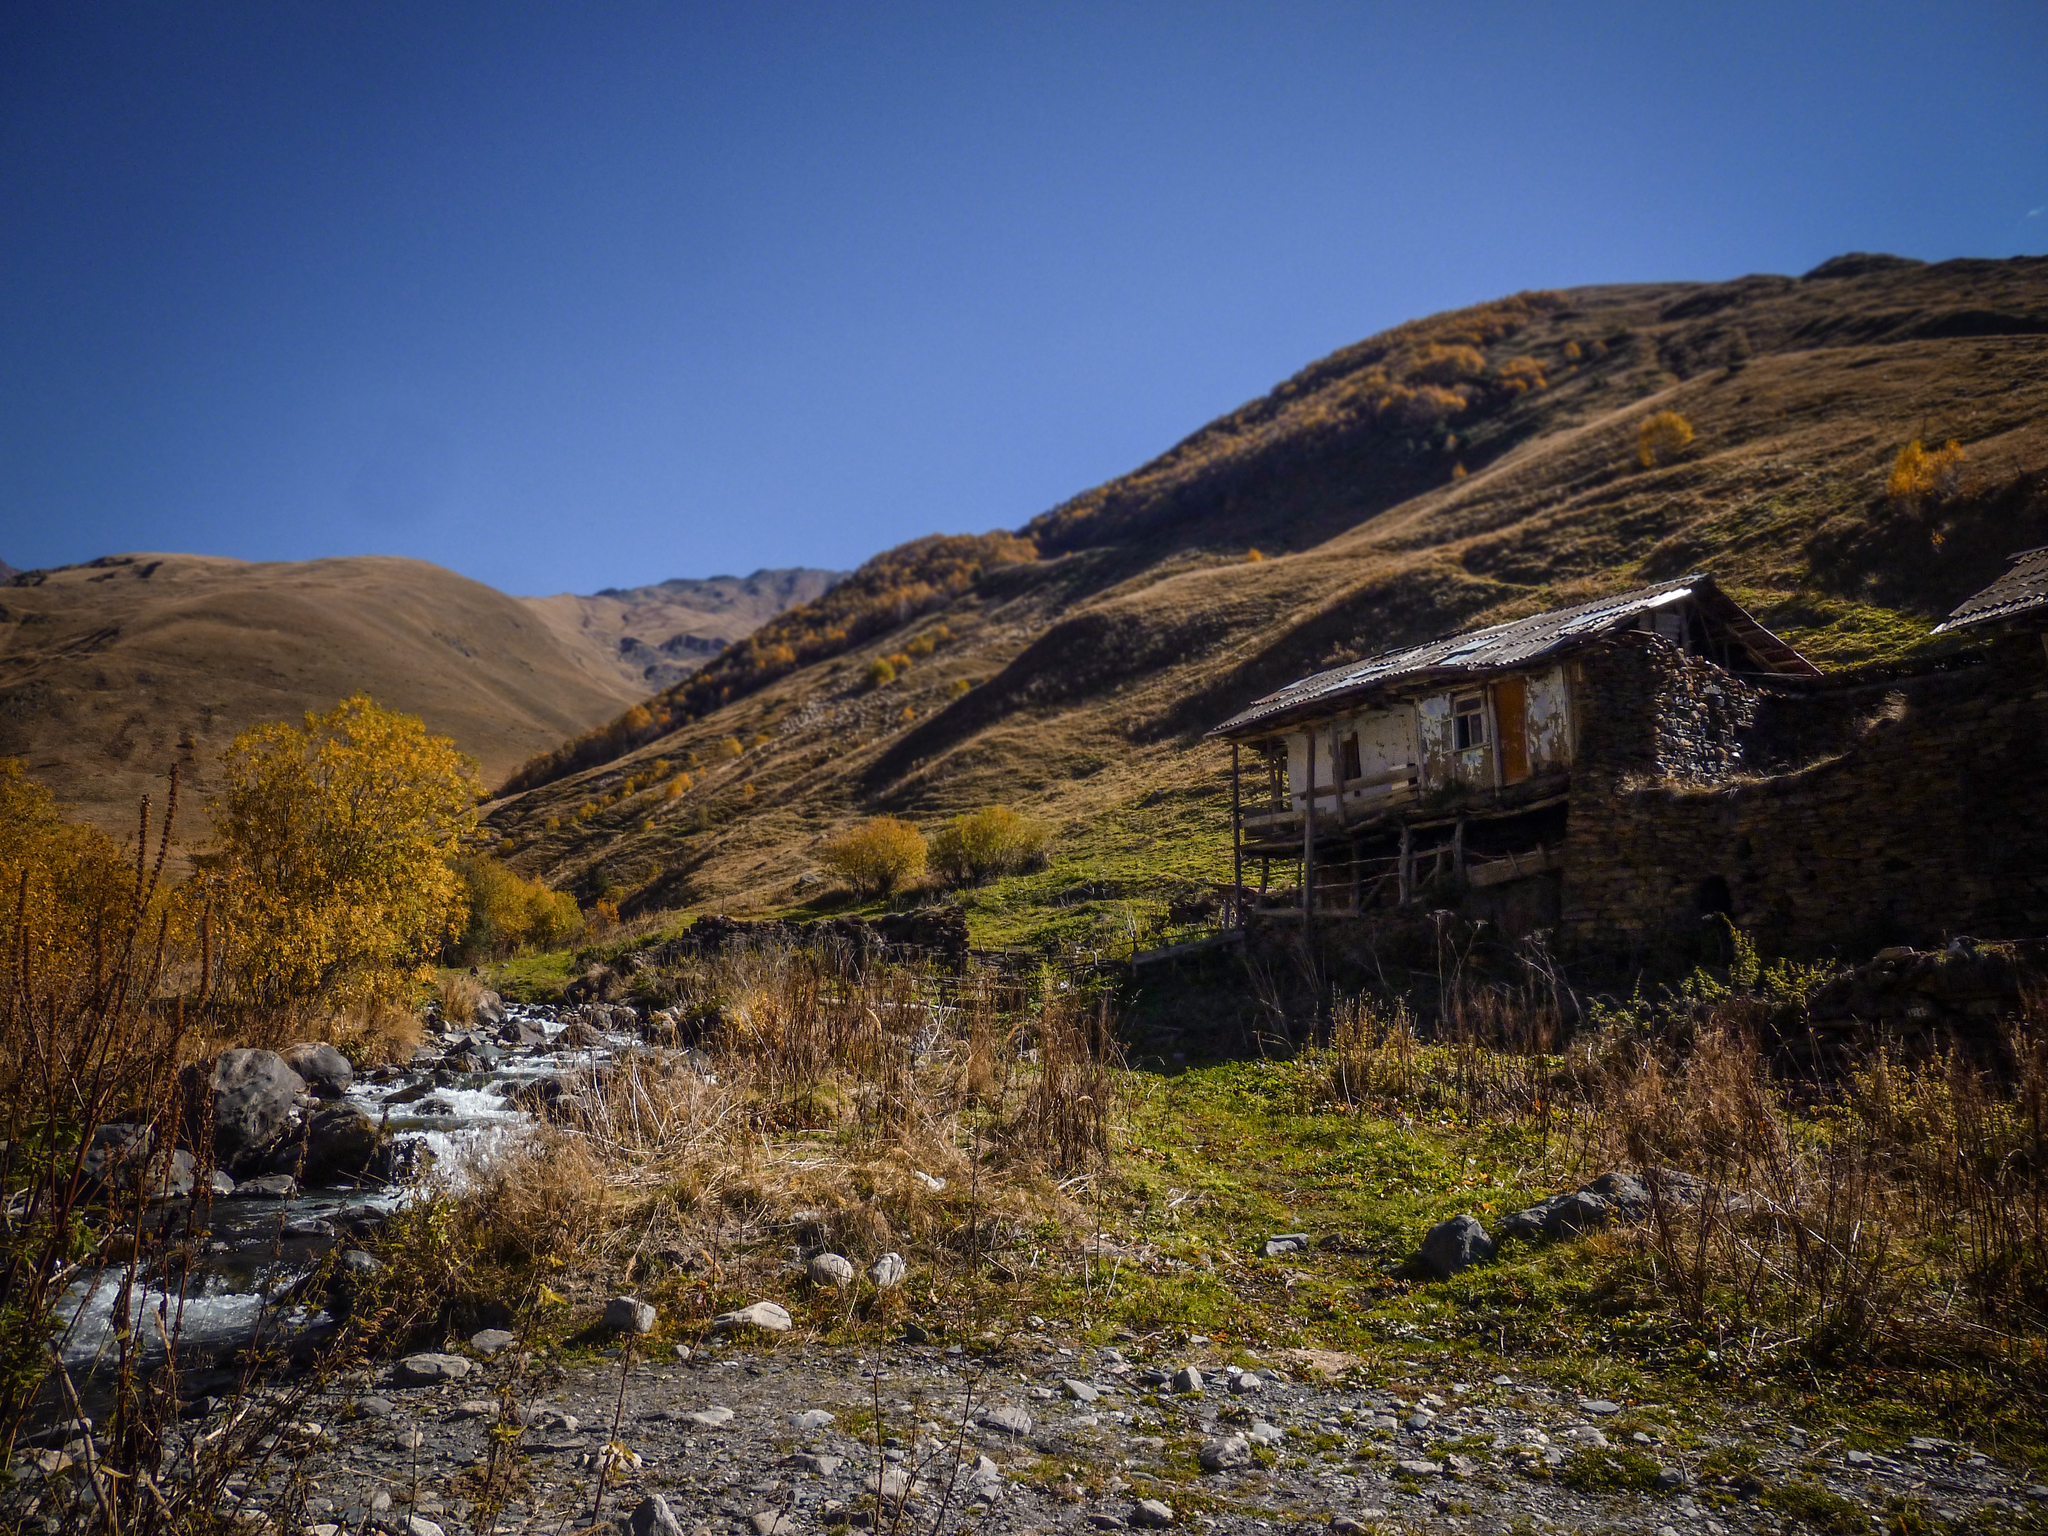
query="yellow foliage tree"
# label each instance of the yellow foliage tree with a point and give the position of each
(880, 855)
(881, 672)
(66, 881)
(1918, 475)
(993, 841)
(329, 874)
(1662, 438)
(507, 912)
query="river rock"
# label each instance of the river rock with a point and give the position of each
(492, 1341)
(1454, 1245)
(652, 1517)
(888, 1271)
(831, 1269)
(1005, 1420)
(1247, 1381)
(246, 1097)
(1186, 1379)
(427, 1369)
(1225, 1453)
(267, 1186)
(762, 1314)
(326, 1071)
(629, 1314)
(1153, 1513)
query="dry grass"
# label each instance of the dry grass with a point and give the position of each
(847, 1106)
(458, 993)
(380, 1033)
(1898, 1214)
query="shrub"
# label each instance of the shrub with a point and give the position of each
(329, 873)
(1521, 374)
(876, 857)
(730, 747)
(959, 688)
(1252, 557)
(1662, 438)
(1918, 475)
(881, 672)
(988, 842)
(677, 787)
(921, 647)
(509, 912)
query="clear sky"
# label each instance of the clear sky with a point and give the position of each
(593, 294)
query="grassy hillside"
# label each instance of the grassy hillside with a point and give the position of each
(113, 672)
(1466, 468)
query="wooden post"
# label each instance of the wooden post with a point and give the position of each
(1236, 845)
(1407, 867)
(1458, 853)
(1308, 835)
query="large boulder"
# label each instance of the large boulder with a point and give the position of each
(1454, 1245)
(245, 1099)
(326, 1071)
(336, 1143)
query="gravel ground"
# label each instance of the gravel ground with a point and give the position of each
(1034, 1434)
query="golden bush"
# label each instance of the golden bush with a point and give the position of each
(881, 672)
(508, 912)
(1918, 475)
(329, 874)
(730, 747)
(1662, 438)
(992, 841)
(877, 857)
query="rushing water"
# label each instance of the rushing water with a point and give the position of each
(256, 1250)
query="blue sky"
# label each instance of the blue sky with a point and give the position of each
(575, 296)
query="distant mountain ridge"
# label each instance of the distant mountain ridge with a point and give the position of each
(654, 636)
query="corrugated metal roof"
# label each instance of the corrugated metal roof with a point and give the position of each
(1516, 643)
(2022, 589)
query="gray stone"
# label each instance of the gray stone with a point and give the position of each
(773, 1522)
(1225, 1453)
(888, 1271)
(492, 1341)
(715, 1417)
(247, 1096)
(408, 1525)
(326, 1071)
(812, 1461)
(373, 1407)
(1419, 1420)
(269, 1186)
(218, 1183)
(340, 1141)
(653, 1517)
(810, 1421)
(427, 1369)
(831, 1269)
(1005, 1420)
(765, 1315)
(1186, 1379)
(1565, 1215)
(1419, 1468)
(629, 1314)
(1286, 1242)
(1670, 1479)
(1600, 1407)
(1080, 1391)
(1153, 1513)
(1247, 1381)
(1262, 1433)
(1454, 1245)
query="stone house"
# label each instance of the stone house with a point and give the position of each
(2017, 601)
(1625, 773)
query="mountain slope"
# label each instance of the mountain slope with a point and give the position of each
(1469, 467)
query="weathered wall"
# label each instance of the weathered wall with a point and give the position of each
(1931, 822)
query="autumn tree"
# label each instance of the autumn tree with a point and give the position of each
(877, 857)
(506, 911)
(992, 841)
(329, 875)
(1918, 475)
(1662, 438)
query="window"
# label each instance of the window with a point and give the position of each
(1468, 722)
(1350, 768)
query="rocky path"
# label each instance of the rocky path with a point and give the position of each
(1034, 1434)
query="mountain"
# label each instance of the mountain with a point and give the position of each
(1469, 467)
(113, 671)
(656, 636)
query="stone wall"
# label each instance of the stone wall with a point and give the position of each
(1930, 822)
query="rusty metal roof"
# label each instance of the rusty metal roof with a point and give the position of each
(1517, 643)
(2023, 589)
